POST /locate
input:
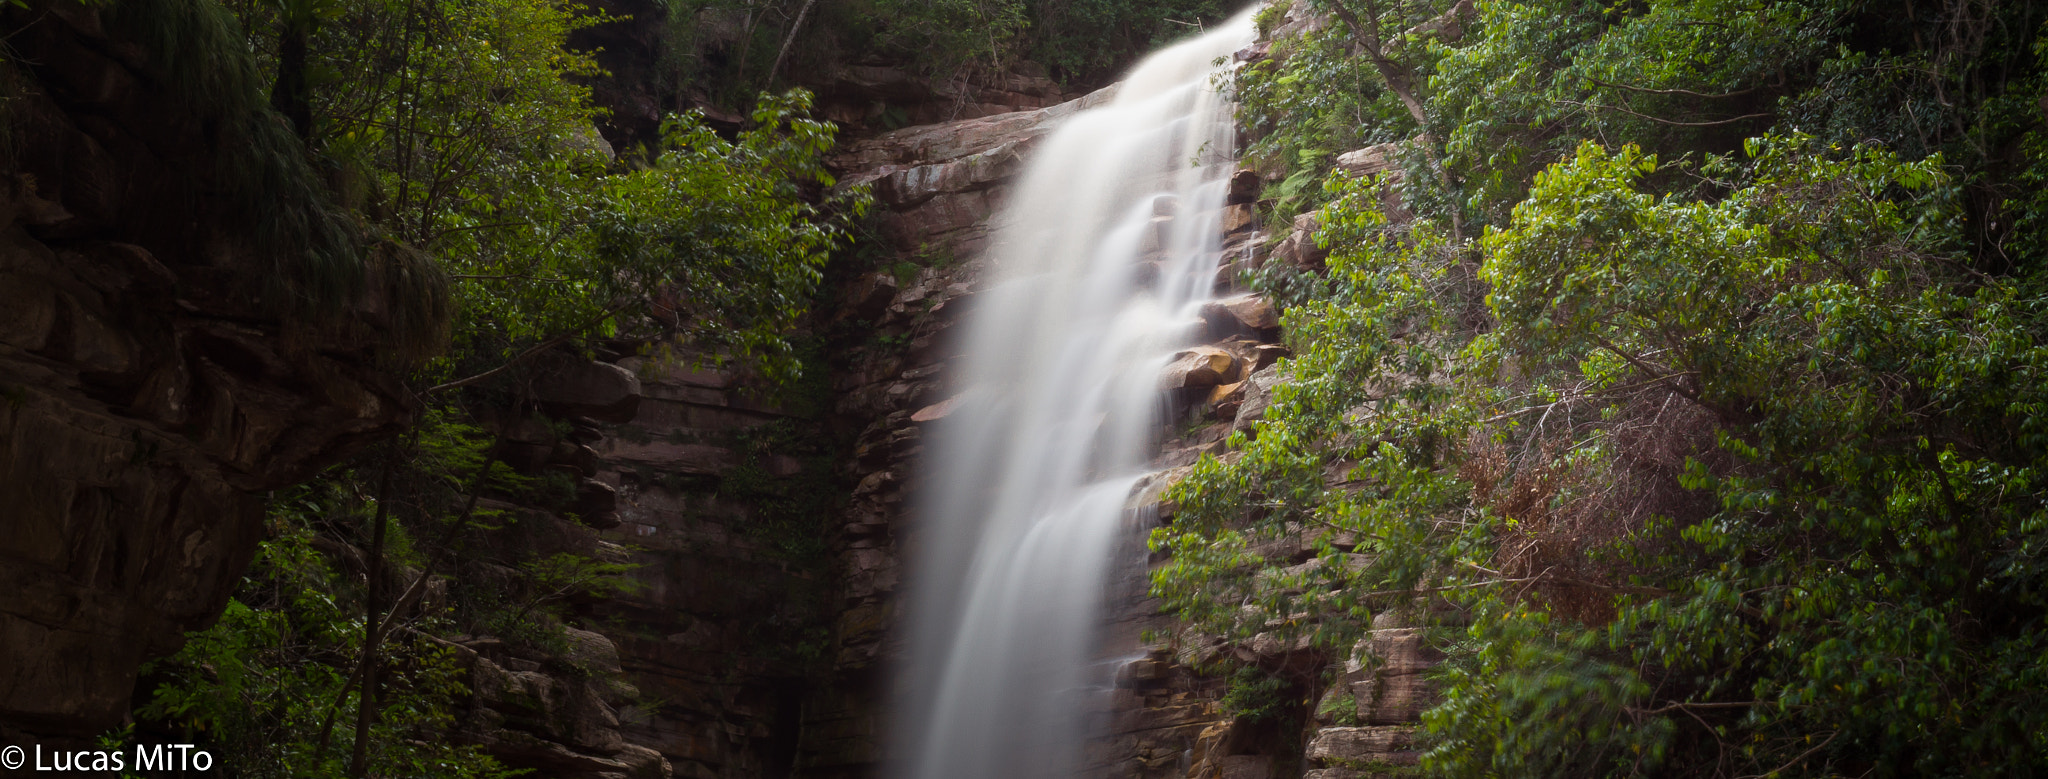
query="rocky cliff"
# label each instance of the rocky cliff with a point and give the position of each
(149, 393)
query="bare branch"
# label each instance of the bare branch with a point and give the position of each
(1688, 92)
(1666, 121)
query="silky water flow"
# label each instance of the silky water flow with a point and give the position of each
(1103, 257)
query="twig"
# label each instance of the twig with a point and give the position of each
(528, 354)
(1795, 761)
(1688, 92)
(1667, 121)
(1710, 705)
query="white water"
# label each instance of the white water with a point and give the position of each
(1031, 471)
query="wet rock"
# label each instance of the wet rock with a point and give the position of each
(1202, 366)
(1150, 493)
(936, 411)
(1244, 187)
(1238, 218)
(882, 155)
(1250, 315)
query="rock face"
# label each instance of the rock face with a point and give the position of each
(694, 672)
(938, 184)
(147, 397)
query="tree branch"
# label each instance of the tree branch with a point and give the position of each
(1666, 121)
(528, 354)
(1688, 92)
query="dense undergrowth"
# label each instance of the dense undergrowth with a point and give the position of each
(1699, 406)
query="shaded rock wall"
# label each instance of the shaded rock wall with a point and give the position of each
(698, 670)
(147, 399)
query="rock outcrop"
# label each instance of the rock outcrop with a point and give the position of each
(149, 395)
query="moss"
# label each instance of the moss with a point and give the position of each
(320, 260)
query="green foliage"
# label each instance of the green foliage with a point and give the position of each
(257, 688)
(1310, 100)
(1255, 696)
(1746, 479)
(725, 231)
(318, 263)
(1366, 394)
(1525, 701)
(1092, 40)
(1722, 451)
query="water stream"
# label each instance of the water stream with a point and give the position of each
(1103, 257)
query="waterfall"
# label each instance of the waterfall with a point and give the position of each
(1103, 257)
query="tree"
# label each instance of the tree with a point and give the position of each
(1726, 459)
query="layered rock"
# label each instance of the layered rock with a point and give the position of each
(697, 670)
(149, 395)
(939, 184)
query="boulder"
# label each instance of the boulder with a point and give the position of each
(1151, 491)
(1396, 652)
(1299, 247)
(1265, 355)
(1258, 393)
(1395, 688)
(869, 297)
(1393, 700)
(1202, 366)
(1376, 160)
(1239, 218)
(1225, 399)
(597, 504)
(1244, 187)
(1370, 161)
(578, 387)
(1241, 314)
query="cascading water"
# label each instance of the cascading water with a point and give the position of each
(1102, 259)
